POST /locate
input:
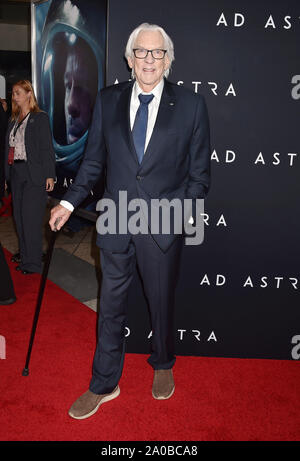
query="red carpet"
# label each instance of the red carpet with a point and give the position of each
(215, 399)
(6, 209)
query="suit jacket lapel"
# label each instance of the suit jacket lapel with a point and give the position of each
(162, 123)
(27, 135)
(123, 111)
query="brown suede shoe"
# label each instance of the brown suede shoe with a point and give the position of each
(163, 384)
(88, 403)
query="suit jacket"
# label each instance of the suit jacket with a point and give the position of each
(176, 163)
(3, 127)
(39, 148)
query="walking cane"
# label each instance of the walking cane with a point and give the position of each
(40, 298)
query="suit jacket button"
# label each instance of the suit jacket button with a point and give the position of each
(139, 178)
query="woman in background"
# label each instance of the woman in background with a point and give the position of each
(30, 168)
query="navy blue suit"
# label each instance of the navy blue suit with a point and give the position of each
(176, 164)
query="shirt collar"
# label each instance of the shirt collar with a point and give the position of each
(157, 90)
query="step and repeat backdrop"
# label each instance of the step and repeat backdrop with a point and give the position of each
(238, 293)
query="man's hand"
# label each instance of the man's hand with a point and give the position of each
(59, 216)
(49, 184)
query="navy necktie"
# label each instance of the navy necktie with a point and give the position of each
(140, 125)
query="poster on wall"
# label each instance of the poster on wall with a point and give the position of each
(68, 69)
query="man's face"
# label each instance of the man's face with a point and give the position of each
(78, 99)
(149, 71)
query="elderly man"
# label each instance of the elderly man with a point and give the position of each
(149, 138)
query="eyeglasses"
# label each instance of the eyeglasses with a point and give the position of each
(141, 53)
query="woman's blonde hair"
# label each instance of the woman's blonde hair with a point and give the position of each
(33, 105)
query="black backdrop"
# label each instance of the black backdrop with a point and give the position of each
(238, 294)
(14, 66)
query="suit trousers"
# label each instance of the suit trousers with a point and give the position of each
(159, 273)
(29, 205)
(6, 285)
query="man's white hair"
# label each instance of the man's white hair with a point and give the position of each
(168, 44)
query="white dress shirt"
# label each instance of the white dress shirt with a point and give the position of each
(153, 107)
(134, 105)
(18, 141)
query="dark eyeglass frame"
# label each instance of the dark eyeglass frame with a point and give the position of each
(149, 51)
